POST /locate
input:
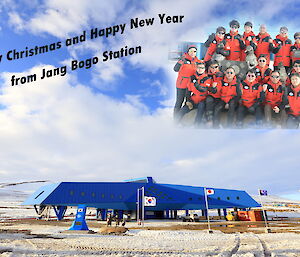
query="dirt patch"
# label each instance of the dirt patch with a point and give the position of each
(113, 230)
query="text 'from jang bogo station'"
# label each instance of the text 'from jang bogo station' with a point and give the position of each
(87, 63)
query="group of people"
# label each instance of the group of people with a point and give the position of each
(110, 218)
(266, 93)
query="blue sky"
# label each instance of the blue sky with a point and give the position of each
(114, 121)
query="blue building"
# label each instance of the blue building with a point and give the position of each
(122, 197)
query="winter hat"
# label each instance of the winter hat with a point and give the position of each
(234, 23)
(249, 24)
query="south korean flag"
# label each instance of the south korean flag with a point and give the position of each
(150, 201)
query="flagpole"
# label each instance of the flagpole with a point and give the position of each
(138, 206)
(264, 214)
(206, 204)
(143, 205)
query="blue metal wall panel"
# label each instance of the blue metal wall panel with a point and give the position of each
(123, 196)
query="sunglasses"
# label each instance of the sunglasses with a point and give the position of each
(200, 67)
(251, 75)
(234, 27)
(262, 60)
(283, 32)
(229, 72)
(193, 51)
(297, 37)
(221, 33)
(214, 67)
(296, 66)
(275, 77)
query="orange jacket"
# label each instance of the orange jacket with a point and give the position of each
(251, 93)
(274, 94)
(229, 89)
(263, 74)
(282, 50)
(263, 46)
(235, 44)
(212, 48)
(185, 67)
(293, 97)
(253, 43)
(217, 77)
(199, 87)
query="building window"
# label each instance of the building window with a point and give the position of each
(228, 198)
(112, 196)
(71, 192)
(219, 198)
(103, 195)
(120, 196)
(190, 198)
(238, 198)
(93, 194)
(82, 193)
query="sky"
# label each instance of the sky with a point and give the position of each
(114, 121)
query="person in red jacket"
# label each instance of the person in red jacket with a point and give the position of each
(264, 43)
(213, 97)
(229, 94)
(249, 39)
(186, 67)
(282, 49)
(216, 43)
(295, 48)
(275, 100)
(295, 69)
(263, 72)
(293, 100)
(235, 43)
(251, 99)
(198, 88)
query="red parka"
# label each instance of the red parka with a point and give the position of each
(235, 45)
(263, 74)
(253, 43)
(251, 93)
(274, 94)
(229, 89)
(282, 51)
(264, 46)
(199, 87)
(185, 67)
(293, 97)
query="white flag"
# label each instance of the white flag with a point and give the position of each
(150, 201)
(210, 191)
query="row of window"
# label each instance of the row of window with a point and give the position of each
(93, 194)
(112, 196)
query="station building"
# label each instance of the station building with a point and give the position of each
(122, 197)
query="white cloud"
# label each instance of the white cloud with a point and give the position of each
(16, 21)
(59, 130)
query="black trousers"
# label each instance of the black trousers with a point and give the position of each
(180, 96)
(200, 111)
(211, 103)
(243, 111)
(292, 122)
(230, 115)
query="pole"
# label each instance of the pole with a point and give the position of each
(206, 204)
(143, 205)
(262, 207)
(138, 207)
